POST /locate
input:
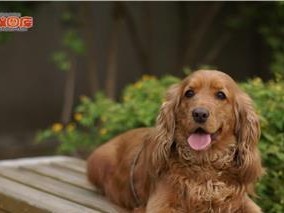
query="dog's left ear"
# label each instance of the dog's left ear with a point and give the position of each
(247, 131)
(163, 136)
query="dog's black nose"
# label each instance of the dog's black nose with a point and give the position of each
(200, 115)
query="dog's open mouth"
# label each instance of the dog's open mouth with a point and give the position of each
(200, 139)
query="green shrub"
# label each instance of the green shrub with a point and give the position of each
(269, 100)
(99, 119)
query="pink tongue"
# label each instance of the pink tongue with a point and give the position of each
(199, 141)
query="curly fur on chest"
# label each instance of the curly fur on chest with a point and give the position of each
(203, 194)
(204, 182)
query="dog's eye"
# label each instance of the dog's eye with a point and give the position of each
(221, 95)
(189, 93)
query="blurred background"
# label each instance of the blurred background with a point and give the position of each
(79, 48)
(87, 71)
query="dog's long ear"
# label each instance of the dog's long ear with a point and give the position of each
(247, 131)
(163, 136)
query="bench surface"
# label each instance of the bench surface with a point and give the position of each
(49, 184)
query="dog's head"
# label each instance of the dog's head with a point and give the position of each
(207, 113)
(205, 116)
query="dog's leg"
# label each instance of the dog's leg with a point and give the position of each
(163, 199)
(101, 164)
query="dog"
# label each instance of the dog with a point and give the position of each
(201, 156)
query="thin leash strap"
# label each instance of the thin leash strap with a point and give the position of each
(133, 190)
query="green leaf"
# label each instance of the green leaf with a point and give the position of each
(61, 60)
(74, 42)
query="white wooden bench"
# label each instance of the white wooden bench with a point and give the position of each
(49, 184)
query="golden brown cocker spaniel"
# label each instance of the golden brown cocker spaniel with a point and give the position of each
(200, 157)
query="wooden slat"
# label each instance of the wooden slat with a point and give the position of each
(81, 196)
(62, 175)
(38, 160)
(18, 206)
(17, 197)
(77, 162)
(3, 210)
(37, 184)
(71, 166)
(67, 162)
(62, 168)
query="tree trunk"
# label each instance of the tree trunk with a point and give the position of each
(69, 92)
(112, 65)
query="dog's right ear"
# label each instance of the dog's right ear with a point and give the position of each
(163, 136)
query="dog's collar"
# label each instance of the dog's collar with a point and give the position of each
(132, 186)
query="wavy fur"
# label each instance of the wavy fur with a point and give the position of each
(169, 175)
